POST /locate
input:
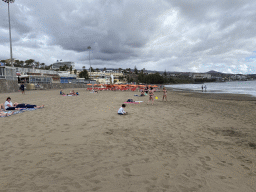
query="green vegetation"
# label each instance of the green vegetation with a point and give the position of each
(84, 74)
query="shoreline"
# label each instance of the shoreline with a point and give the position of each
(214, 95)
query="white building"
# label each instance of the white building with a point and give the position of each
(62, 64)
(201, 76)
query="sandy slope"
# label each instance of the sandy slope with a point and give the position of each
(193, 142)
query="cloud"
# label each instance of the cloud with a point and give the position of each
(167, 35)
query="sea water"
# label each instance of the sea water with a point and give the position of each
(232, 87)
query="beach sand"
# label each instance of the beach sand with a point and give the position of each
(193, 142)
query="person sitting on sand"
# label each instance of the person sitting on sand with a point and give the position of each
(10, 106)
(61, 92)
(142, 93)
(151, 95)
(72, 93)
(165, 94)
(121, 110)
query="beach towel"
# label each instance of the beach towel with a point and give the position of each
(21, 111)
(133, 102)
(139, 95)
(68, 95)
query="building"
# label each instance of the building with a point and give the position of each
(56, 66)
(105, 77)
(66, 77)
(201, 76)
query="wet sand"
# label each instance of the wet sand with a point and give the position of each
(193, 142)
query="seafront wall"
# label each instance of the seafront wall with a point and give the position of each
(62, 85)
(8, 86)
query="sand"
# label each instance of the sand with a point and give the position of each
(193, 142)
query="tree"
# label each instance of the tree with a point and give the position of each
(70, 68)
(37, 64)
(84, 74)
(92, 70)
(97, 69)
(165, 73)
(29, 62)
(42, 65)
(64, 68)
(75, 71)
(135, 70)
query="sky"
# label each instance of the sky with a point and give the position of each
(171, 35)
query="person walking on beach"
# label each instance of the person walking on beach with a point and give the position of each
(165, 94)
(205, 88)
(151, 95)
(22, 88)
(202, 88)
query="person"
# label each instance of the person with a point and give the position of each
(121, 110)
(2, 107)
(61, 92)
(151, 95)
(23, 105)
(10, 106)
(146, 89)
(202, 88)
(205, 88)
(5, 114)
(22, 88)
(142, 93)
(72, 93)
(165, 94)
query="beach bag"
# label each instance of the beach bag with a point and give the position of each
(129, 100)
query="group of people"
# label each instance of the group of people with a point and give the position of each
(9, 106)
(151, 98)
(71, 93)
(204, 88)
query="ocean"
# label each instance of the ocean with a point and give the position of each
(232, 87)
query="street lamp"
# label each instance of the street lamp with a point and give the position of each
(89, 48)
(10, 36)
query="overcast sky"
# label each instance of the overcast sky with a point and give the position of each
(171, 35)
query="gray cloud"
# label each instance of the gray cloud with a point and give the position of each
(179, 35)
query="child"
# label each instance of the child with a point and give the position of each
(61, 92)
(151, 96)
(165, 94)
(121, 110)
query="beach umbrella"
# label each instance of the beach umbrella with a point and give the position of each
(89, 84)
(154, 86)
